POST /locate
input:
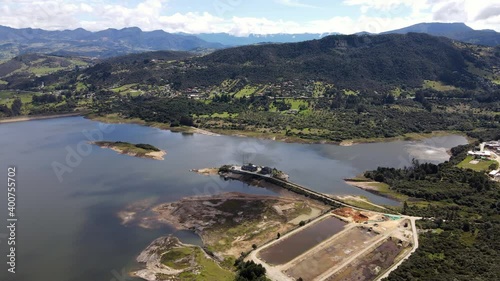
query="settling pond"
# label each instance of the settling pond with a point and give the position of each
(300, 242)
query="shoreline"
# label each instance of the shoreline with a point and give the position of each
(115, 119)
(377, 188)
(154, 155)
(39, 117)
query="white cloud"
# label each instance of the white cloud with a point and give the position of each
(294, 3)
(375, 16)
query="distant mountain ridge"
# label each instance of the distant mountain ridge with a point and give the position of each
(101, 44)
(455, 31)
(232, 40)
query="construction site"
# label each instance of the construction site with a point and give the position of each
(345, 244)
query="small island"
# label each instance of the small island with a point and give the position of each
(137, 150)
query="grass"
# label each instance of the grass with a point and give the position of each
(125, 147)
(178, 258)
(45, 70)
(208, 271)
(350, 93)
(482, 166)
(245, 92)
(205, 269)
(385, 190)
(438, 86)
(469, 238)
(80, 86)
(296, 103)
(7, 97)
(123, 88)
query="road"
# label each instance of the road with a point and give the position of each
(415, 247)
(275, 272)
(305, 189)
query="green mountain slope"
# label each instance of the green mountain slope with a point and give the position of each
(349, 62)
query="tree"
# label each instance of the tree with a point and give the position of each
(302, 223)
(254, 246)
(493, 166)
(250, 271)
(16, 107)
(278, 236)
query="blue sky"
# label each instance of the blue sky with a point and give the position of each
(242, 17)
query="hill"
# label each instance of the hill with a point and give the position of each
(347, 61)
(337, 88)
(455, 31)
(31, 66)
(102, 44)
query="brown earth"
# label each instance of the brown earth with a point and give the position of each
(228, 223)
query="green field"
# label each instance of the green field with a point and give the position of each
(247, 91)
(296, 103)
(483, 165)
(44, 70)
(205, 269)
(438, 86)
(7, 97)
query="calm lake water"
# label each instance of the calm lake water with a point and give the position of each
(68, 229)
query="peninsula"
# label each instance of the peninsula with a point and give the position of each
(137, 150)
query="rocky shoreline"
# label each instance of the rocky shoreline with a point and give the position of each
(155, 155)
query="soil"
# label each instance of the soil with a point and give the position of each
(228, 223)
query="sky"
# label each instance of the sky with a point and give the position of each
(243, 17)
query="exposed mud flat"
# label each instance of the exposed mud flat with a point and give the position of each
(228, 223)
(155, 155)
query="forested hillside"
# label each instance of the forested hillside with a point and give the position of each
(461, 210)
(335, 89)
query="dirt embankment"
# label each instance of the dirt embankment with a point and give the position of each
(366, 185)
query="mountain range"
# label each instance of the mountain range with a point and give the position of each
(455, 31)
(374, 63)
(101, 44)
(112, 42)
(231, 40)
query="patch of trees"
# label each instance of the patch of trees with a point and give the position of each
(47, 98)
(147, 147)
(461, 224)
(250, 271)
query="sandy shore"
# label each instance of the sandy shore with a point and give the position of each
(31, 118)
(206, 171)
(366, 185)
(202, 132)
(156, 155)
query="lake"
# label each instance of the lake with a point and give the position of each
(69, 192)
